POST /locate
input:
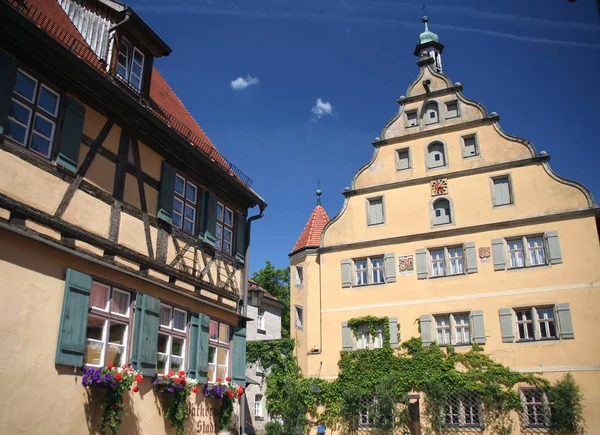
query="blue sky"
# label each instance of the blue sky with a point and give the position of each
(536, 63)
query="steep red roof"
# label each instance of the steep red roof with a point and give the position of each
(48, 15)
(253, 285)
(311, 235)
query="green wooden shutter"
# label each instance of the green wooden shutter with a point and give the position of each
(498, 254)
(553, 243)
(200, 217)
(166, 193)
(565, 323)
(478, 327)
(198, 353)
(240, 238)
(346, 273)
(73, 322)
(506, 325)
(346, 336)
(393, 324)
(426, 329)
(8, 69)
(389, 261)
(208, 235)
(145, 334)
(70, 136)
(238, 371)
(422, 267)
(471, 257)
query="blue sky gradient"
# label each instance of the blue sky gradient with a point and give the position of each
(535, 63)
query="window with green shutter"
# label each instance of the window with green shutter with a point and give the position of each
(198, 351)
(238, 371)
(145, 334)
(74, 318)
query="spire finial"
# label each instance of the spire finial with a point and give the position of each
(318, 192)
(425, 21)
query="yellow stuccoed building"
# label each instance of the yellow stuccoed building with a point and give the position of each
(460, 225)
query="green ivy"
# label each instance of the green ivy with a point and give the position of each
(374, 324)
(269, 352)
(391, 374)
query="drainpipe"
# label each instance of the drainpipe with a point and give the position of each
(128, 13)
(245, 300)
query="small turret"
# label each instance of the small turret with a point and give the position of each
(429, 47)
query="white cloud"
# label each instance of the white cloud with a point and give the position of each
(322, 108)
(242, 83)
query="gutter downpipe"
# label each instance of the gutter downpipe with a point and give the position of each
(128, 14)
(245, 301)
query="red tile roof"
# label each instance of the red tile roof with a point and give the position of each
(50, 16)
(311, 235)
(253, 285)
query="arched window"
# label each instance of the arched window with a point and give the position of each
(441, 212)
(436, 155)
(432, 114)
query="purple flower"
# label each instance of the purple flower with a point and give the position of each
(171, 390)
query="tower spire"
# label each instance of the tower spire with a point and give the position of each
(428, 46)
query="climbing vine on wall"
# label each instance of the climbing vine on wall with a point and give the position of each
(390, 375)
(374, 324)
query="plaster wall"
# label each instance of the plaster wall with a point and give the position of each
(272, 323)
(52, 399)
(408, 209)
(33, 187)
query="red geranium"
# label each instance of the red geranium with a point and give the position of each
(219, 379)
(170, 374)
(109, 365)
(135, 389)
(228, 378)
(195, 390)
(176, 380)
(138, 378)
(118, 377)
(230, 394)
(124, 366)
(181, 374)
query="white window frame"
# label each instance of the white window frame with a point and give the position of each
(370, 270)
(223, 228)
(542, 404)
(258, 407)
(365, 340)
(130, 60)
(35, 110)
(185, 202)
(527, 252)
(215, 344)
(260, 319)
(108, 316)
(454, 328)
(451, 265)
(170, 332)
(459, 413)
(540, 323)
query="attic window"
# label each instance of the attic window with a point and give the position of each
(130, 65)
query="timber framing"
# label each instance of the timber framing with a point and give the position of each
(21, 213)
(41, 52)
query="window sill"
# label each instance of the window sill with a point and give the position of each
(368, 285)
(541, 341)
(509, 204)
(448, 276)
(516, 269)
(380, 224)
(471, 156)
(257, 418)
(261, 331)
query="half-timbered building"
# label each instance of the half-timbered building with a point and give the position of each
(124, 233)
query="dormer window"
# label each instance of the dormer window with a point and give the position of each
(130, 65)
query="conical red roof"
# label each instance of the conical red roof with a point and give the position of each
(311, 235)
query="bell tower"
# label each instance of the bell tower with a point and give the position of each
(428, 46)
